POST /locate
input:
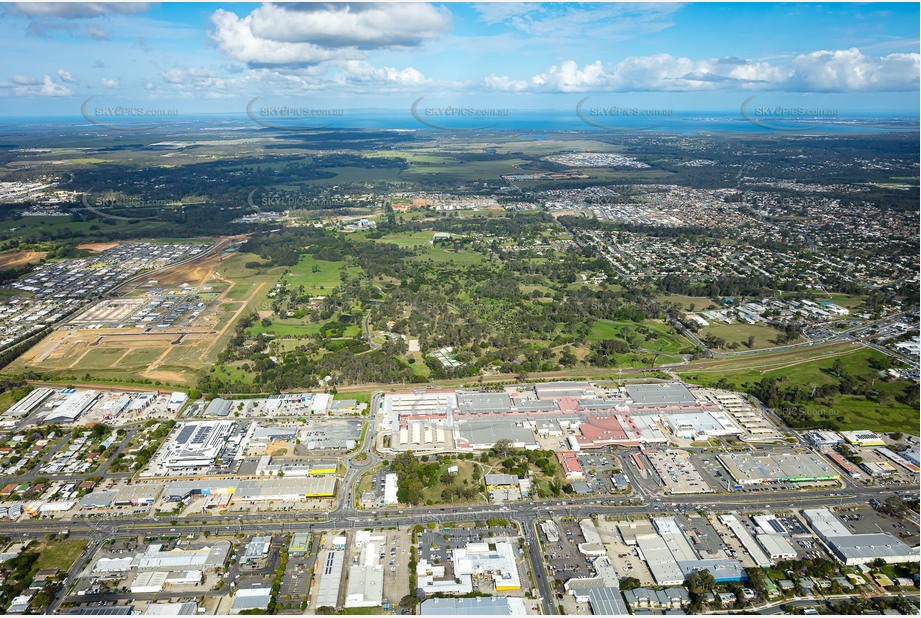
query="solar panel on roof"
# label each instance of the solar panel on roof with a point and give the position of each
(184, 434)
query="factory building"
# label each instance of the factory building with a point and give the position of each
(862, 438)
(28, 403)
(777, 468)
(475, 606)
(176, 401)
(390, 489)
(777, 547)
(196, 444)
(754, 550)
(71, 407)
(821, 437)
(701, 425)
(329, 568)
(499, 564)
(855, 549)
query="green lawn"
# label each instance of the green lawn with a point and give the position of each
(763, 334)
(318, 277)
(660, 338)
(701, 303)
(60, 555)
(846, 411)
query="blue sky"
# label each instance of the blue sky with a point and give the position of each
(215, 57)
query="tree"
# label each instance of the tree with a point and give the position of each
(699, 583)
(629, 583)
(503, 447)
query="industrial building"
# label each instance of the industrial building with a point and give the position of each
(71, 407)
(251, 599)
(256, 550)
(475, 606)
(748, 469)
(329, 569)
(821, 437)
(722, 569)
(670, 394)
(482, 435)
(751, 546)
(285, 489)
(253, 490)
(28, 403)
(365, 587)
(701, 425)
(299, 544)
(390, 489)
(854, 549)
(196, 444)
(601, 592)
(862, 438)
(499, 564)
(776, 546)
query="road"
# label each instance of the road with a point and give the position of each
(346, 516)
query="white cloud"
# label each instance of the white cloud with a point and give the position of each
(52, 89)
(822, 71)
(235, 38)
(112, 84)
(361, 71)
(496, 82)
(79, 9)
(23, 86)
(66, 76)
(312, 33)
(95, 32)
(359, 25)
(850, 70)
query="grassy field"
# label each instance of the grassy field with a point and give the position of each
(440, 254)
(60, 555)
(661, 338)
(847, 411)
(701, 303)
(321, 282)
(763, 334)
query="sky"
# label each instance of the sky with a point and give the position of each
(218, 58)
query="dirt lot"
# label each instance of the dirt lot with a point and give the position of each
(193, 273)
(20, 258)
(97, 247)
(174, 357)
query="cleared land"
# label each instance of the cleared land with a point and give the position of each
(97, 247)
(172, 356)
(20, 258)
(764, 335)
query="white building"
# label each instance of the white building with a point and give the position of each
(499, 564)
(390, 489)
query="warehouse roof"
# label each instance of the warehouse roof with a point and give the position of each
(475, 606)
(607, 601)
(672, 393)
(869, 546)
(252, 598)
